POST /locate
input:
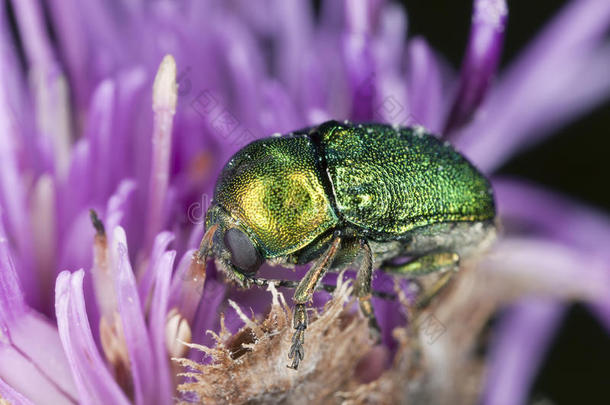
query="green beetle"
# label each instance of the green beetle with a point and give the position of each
(342, 195)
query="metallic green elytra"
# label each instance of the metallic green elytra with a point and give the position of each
(347, 195)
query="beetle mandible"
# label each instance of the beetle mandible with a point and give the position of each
(341, 195)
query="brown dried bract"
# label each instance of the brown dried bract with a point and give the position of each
(251, 366)
(439, 359)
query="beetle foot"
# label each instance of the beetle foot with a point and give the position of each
(297, 352)
(374, 331)
(367, 310)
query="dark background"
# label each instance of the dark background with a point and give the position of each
(573, 161)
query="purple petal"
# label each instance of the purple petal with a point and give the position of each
(99, 131)
(556, 268)
(29, 345)
(102, 271)
(213, 296)
(554, 216)
(75, 247)
(481, 60)
(256, 15)
(391, 104)
(32, 378)
(522, 339)
(133, 86)
(33, 359)
(12, 304)
(93, 42)
(185, 290)
(12, 189)
(78, 178)
(49, 87)
(245, 70)
(76, 45)
(76, 250)
(104, 158)
(93, 380)
(524, 207)
(387, 86)
(44, 236)
(362, 16)
(13, 81)
(197, 231)
(294, 32)
(148, 276)
(13, 397)
(119, 207)
(332, 15)
(31, 25)
(315, 92)
(389, 41)
(360, 65)
(360, 74)
(278, 112)
(158, 322)
(528, 101)
(73, 45)
(425, 86)
(134, 326)
(164, 107)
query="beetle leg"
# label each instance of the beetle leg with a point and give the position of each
(363, 289)
(303, 295)
(264, 282)
(430, 263)
(427, 296)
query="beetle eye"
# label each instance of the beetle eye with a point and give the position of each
(243, 253)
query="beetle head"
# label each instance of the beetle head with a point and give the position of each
(273, 188)
(269, 202)
(235, 251)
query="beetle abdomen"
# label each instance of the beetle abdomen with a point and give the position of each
(389, 181)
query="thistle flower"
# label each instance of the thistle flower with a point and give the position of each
(93, 314)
